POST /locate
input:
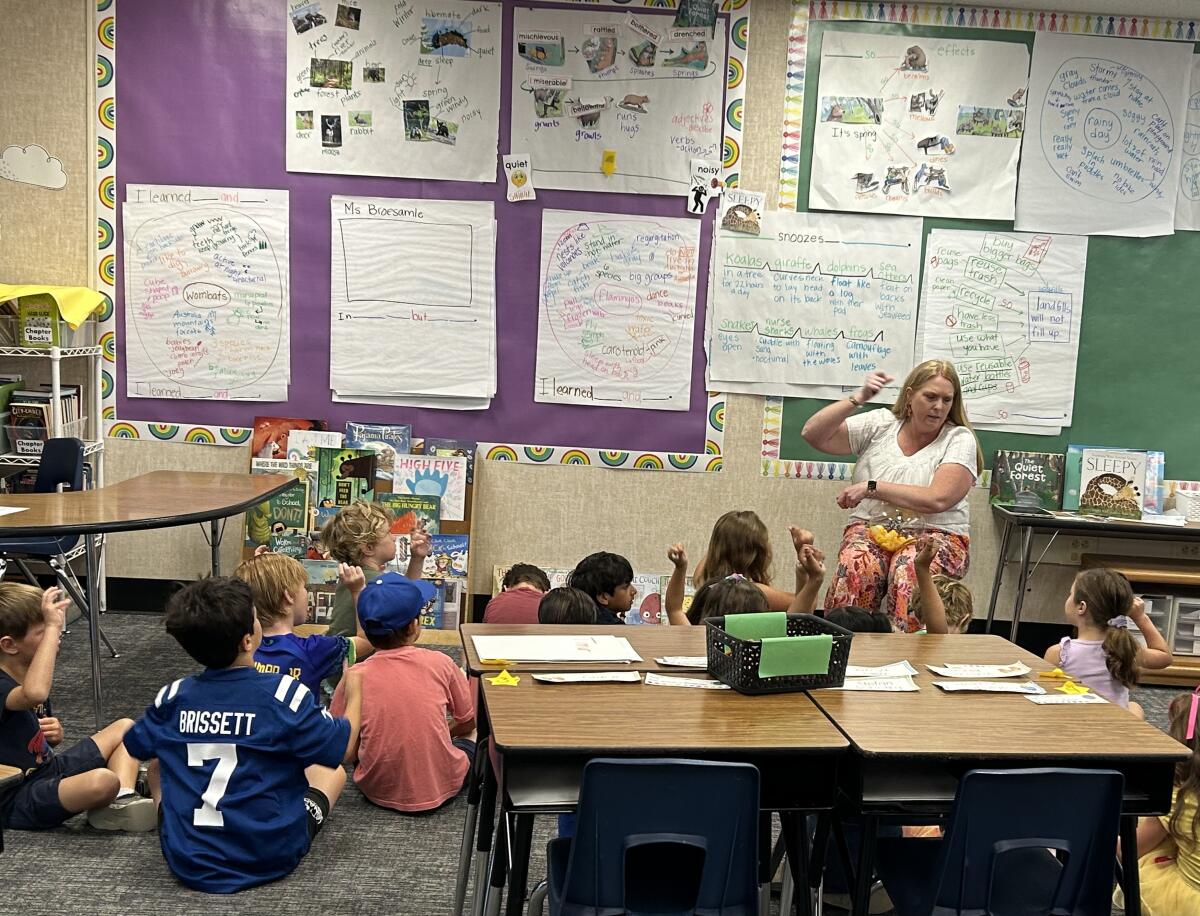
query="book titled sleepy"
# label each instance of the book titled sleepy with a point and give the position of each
(1112, 482)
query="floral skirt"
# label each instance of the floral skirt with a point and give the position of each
(872, 578)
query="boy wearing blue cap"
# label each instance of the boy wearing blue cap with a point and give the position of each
(417, 712)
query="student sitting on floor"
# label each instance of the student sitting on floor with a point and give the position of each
(361, 535)
(943, 604)
(739, 544)
(410, 758)
(521, 592)
(248, 764)
(566, 605)
(96, 775)
(607, 578)
(1104, 655)
(278, 586)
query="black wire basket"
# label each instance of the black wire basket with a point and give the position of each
(735, 661)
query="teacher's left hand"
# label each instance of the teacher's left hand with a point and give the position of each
(852, 495)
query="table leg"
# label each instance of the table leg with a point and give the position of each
(820, 848)
(474, 794)
(497, 866)
(214, 540)
(92, 570)
(999, 575)
(1022, 582)
(518, 870)
(866, 867)
(485, 846)
(1129, 866)
(794, 826)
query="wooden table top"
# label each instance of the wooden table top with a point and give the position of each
(933, 723)
(159, 499)
(649, 642)
(601, 718)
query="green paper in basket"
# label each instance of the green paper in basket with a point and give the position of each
(791, 655)
(756, 626)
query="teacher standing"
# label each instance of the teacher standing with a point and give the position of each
(921, 456)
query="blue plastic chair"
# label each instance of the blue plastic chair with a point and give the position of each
(659, 837)
(61, 465)
(995, 858)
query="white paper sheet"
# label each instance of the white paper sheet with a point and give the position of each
(1064, 699)
(1007, 309)
(923, 126)
(684, 661)
(974, 672)
(895, 669)
(591, 677)
(818, 298)
(1106, 127)
(1187, 203)
(589, 649)
(415, 280)
(659, 680)
(404, 89)
(9, 510)
(989, 686)
(879, 684)
(578, 91)
(206, 300)
(301, 440)
(616, 311)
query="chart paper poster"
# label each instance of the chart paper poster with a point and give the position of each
(617, 310)
(1006, 308)
(923, 126)
(587, 83)
(206, 295)
(393, 87)
(412, 298)
(1107, 121)
(1187, 205)
(816, 299)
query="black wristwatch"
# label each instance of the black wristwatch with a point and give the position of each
(872, 485)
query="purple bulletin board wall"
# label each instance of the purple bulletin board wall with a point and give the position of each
(200, 97)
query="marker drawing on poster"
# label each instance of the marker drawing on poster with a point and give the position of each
(617, 310)
(1187, 204)
(1006, 308)
(412, 300)
(206, 293)
(816, 299)
(1107, 122)
(395, 88)
(591, 86)
(923, 126)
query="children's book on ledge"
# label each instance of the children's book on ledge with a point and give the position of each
(1027, 479)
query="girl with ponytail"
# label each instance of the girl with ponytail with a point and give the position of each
(1104, 655)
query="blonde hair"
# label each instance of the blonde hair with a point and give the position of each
(20, 608)
(739, 544)
(269, 576)
(921, 376)
(956, 599)
(354, 529)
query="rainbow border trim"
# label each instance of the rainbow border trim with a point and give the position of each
(105, 176)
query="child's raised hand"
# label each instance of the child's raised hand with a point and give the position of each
(261, 549)
(927, 548)
(1137, 609)
(813, 561)
(54, 607)
(419, 544)
(801, 537)
(677, 554)
(352, 577)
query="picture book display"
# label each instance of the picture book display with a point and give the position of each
(285, 515)
(1006, 308)
(1112, 482)
(414, 279)
(322, 584)
(917, 125)
(386, 440)
(626, 85)
(1105, 135)
(430, 475)
(448, 557)
(1028, 479)
(444, 612)
(207, 299)
(816, 299)
(303, 443)
(344, 476)
(269, 438)
(617, 310)
(451, 447)
(404, 88)
(410, 514)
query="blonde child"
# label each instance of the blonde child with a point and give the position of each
(1104, 655)
(739, 544)
(943, 604)
(361, 535)
(278, 585)
(1169, 847)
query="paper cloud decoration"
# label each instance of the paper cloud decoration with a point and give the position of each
(32, 165)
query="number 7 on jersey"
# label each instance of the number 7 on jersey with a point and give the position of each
(225, 755)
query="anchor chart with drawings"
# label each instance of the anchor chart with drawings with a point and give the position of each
(1006, 308)
(587, 84)
(616, 310)
(927, 127)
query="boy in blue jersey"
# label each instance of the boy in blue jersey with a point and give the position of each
(248, 764)
(277, 584)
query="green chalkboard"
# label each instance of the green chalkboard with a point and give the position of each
(1136, 378)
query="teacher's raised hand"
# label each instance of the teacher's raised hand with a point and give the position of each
(871, 387)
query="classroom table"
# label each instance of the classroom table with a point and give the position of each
(8, 776)
(546, 733)
(1030, 524)
(911, 748)
(159, 499)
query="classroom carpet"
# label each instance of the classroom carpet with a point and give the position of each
(366, 860)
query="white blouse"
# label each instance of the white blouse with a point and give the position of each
(873, 438)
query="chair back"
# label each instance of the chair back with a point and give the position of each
(1001, 817)
(61, 463)
(664, 837)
